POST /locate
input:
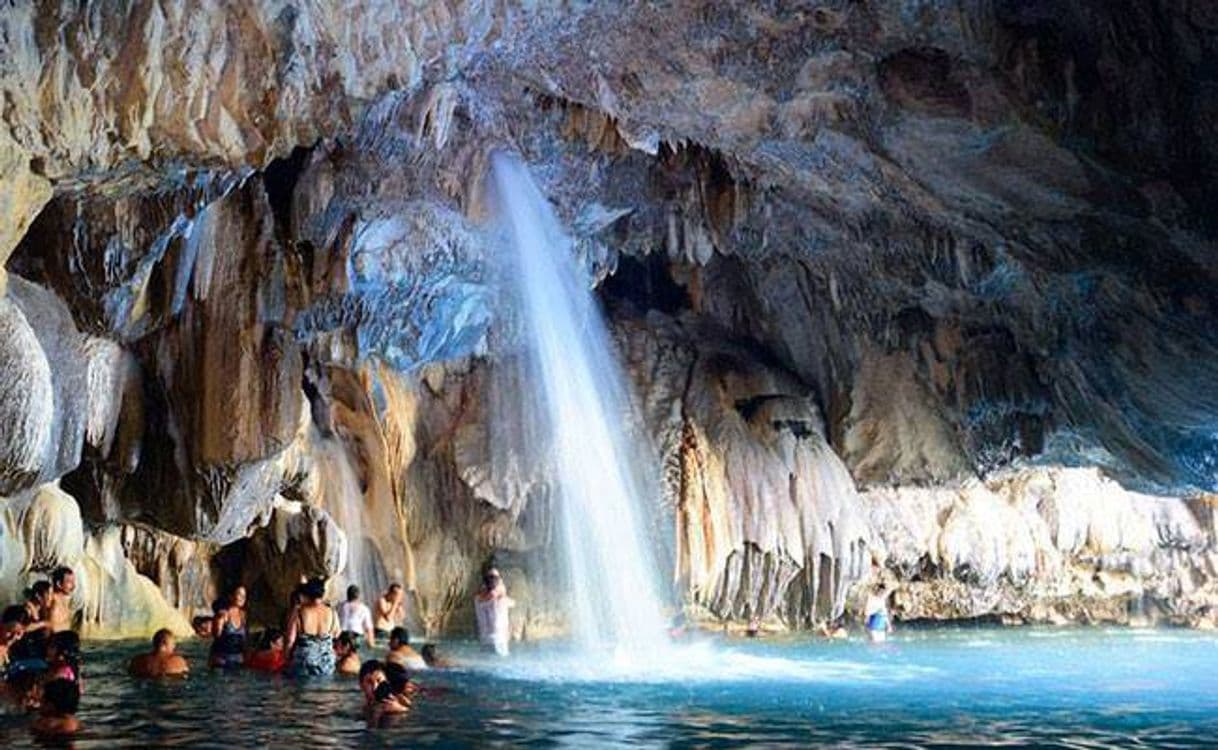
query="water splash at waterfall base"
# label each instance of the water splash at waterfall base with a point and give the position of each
(602, 468)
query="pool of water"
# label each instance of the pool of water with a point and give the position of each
(934, 688)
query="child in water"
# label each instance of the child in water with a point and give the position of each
(879, 623)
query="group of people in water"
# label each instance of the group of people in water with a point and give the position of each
(40, 657)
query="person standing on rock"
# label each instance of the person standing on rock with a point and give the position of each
(390, 611)
(491, 605)
(59, 612)
(355, 617)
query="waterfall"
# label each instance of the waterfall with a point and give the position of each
(603, 470)
(344, 501)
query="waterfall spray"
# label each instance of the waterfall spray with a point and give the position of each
(604, 473)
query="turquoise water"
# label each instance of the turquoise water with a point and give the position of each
(935, 688)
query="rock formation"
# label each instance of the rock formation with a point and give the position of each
(911, 292)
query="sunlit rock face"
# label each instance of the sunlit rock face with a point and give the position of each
(878, 271)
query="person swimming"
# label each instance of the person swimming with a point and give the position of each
(491, 605)
(392, 696)
(311, 633)
(60, 701)
(162, 661)
(432, 658)
(269, 656)
(63, 658)
(229, 629)
(346, 653)
(371, 675)
(400, 651)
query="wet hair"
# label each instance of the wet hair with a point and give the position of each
(314, 588)
(15, 615)
(428, 652)
(59, 574)
(396, 681)
(370, 666)
(160, 637)
(231, 599)
(394, 587)
(400, 635)
(62, 695)
(490, 577)
(67, 644)
(352, 593)
(349, 639)
(37, 591)
(269, 636)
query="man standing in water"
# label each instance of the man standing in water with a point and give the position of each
(491, 606)
(390, 610)
(355, 617)
(59, 611)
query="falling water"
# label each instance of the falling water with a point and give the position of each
(344, 501)
(604, 475)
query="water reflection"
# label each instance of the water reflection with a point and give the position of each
(1081, 689)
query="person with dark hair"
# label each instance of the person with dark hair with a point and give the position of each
(162, 660)
(12, 629)
(294, 602)
(371, 675)
(491, 605)
(393, 695)
(60, 701)
(400, 651)
(354, 616)
(270, 655)
(432, 658)
(63, 657)
(346, 653)
(390, 610)
(311, 633)
(60, 613)
(29, 650)
(228, 630)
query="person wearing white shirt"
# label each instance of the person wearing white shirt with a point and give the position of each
(354, 615)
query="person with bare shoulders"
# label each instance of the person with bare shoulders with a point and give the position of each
(346, 653)
(390, 610)
(57, 712)
(401, 652)
(59, 613)
(311, 633)
(162, 661)
(391, 696)
(229, 629)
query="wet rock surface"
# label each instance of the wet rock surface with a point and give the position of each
(878, 271)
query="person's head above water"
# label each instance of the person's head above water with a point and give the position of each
(394, 592)
(353, 593)
(163, 641)
(371, 674)
(236, 597)
(428, 652)
(39, 593)
(63, 579)
(313, 590)
(399, 637)
(271, 640)
(346, 643)
(397, 679)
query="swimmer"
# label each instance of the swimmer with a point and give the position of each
(346, 653)
(392, 696)
(355, 616)
(12, 629)
(162, 660)
(270, 656)
(433, 659)
(400, 651)
(60, 701)
(311, 633)
(371, 675)
(63, 658)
